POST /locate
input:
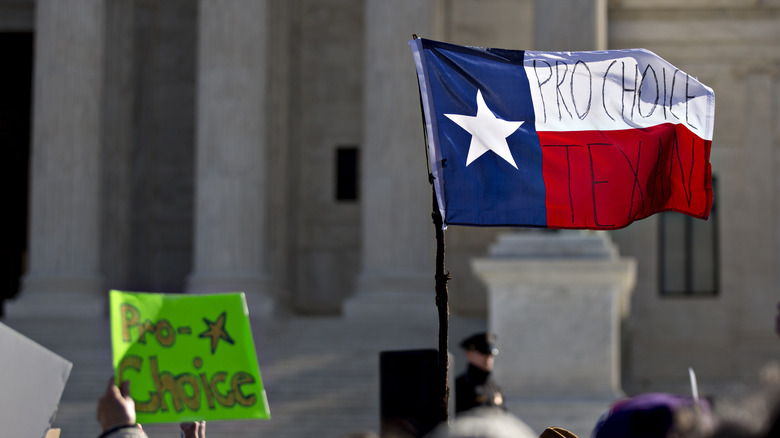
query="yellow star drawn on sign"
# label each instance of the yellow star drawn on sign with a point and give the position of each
(216, 331)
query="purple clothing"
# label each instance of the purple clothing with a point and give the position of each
(649, 415)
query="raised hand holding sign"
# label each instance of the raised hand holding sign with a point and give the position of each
(190, 357)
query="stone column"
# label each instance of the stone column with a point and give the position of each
(398, 242)
(63, 276)
(117, 163)
(570, 25)
(230, 198)
(556, 301)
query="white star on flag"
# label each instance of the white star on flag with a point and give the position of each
(488, 132)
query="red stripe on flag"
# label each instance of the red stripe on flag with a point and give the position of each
(608, 179)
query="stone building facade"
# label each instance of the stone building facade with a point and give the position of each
(275, 147)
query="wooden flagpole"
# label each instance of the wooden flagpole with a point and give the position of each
(442, 295)
(442, 304)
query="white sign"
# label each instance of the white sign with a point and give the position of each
(32, 379)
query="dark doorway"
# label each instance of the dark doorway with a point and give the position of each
(16, 53)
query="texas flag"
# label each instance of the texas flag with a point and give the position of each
(585, 140)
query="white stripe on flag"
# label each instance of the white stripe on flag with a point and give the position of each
(613, 90)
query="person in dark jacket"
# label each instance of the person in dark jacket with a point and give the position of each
(475, 387)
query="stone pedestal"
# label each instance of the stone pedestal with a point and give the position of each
(556, 301)
(230, 201)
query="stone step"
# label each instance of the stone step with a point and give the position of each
(321, 374)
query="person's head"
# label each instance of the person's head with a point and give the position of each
(480, 360)
(752, 411)
(484, 422)
(656, 415)
(480, 350)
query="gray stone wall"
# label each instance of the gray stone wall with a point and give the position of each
(163, 145)
(328, 95)
(732, 47)
(280, 147)
(17, 16)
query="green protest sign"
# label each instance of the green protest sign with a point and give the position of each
(188, 357)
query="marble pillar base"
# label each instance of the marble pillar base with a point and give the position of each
(556, 303)
(397, 305)
(408, 296)
(257, 289)
(53, 297)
